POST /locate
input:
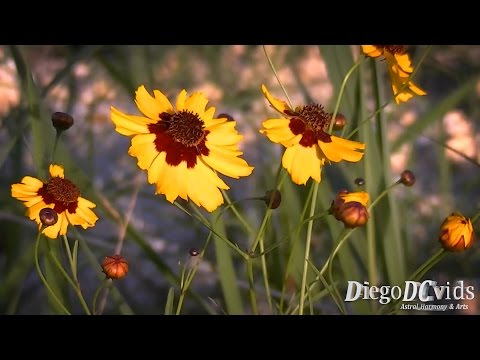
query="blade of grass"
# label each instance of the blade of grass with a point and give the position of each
(226, 269)
(169, 304)
(436, 113)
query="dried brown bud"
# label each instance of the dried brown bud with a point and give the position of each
(340, 122)
(193, 252)
(48, 217)
(62, 121)
(274, 197)
(115, 267)
(359, 181)
(407, 178)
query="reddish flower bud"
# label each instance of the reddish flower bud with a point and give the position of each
(48, 217)
(115, 267)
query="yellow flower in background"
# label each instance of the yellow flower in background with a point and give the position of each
(399, 69)
(182, 148)
(304, 132)
(456, 233)
(59, 194)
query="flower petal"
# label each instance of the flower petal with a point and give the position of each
(33, 212)
(129, 124)
(342, 149)
(143, 148)
(277, 104)
(278, 131)
(232, 166)
(53, 231)
(223, 134)
(359, 196)
(372, 50)
(196, 103)
(404, 63)
(302, 163)
(148, 105)
(203, 186)
(180, 105)
(163, 101)
(56, 170)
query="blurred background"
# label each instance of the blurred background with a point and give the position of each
(435, 136)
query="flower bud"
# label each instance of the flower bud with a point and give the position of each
(359, 181)
(273, 196)
(62, 121)
(407, 178)
(48, 217)
(456, 233)
(115, 267)
(340, 122)
(194, 252)
(350, 208)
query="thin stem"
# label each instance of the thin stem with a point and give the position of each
(75, 285)
(276, 75)
(191, 274)
(417, 275)
(57, 137)
(307, 248)
(42, 277)
(105, 283)
(251, 283)
(265, 276)
(382, 194)
(340, 93)
(475, 217)
(342, 241)
(237, 214)
(70, 258)
(199, 217)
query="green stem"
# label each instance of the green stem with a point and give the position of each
(251, 284)
(70, 258)
(191, 275)
(319, 276)
(265, 275)
(74, 284)
(104, 284)
(42, 277)
(237, 214)
(307, 248)
(276, 75)
(430, 263)
(382, 194)
(475, 217)
(198, 216)
(340, 93)
(417, 275)
(57, 137)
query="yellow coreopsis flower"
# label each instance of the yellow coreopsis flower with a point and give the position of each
(399, 69)
(180, 148)
(304, 132)
(456, 233)
(59, 194)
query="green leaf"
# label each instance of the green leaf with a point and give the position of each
(169, 304)
(436, 113)
(43, 133)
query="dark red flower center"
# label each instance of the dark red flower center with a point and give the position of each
(312, 122)
(61, 192)
(394, 49)
(182, 136)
